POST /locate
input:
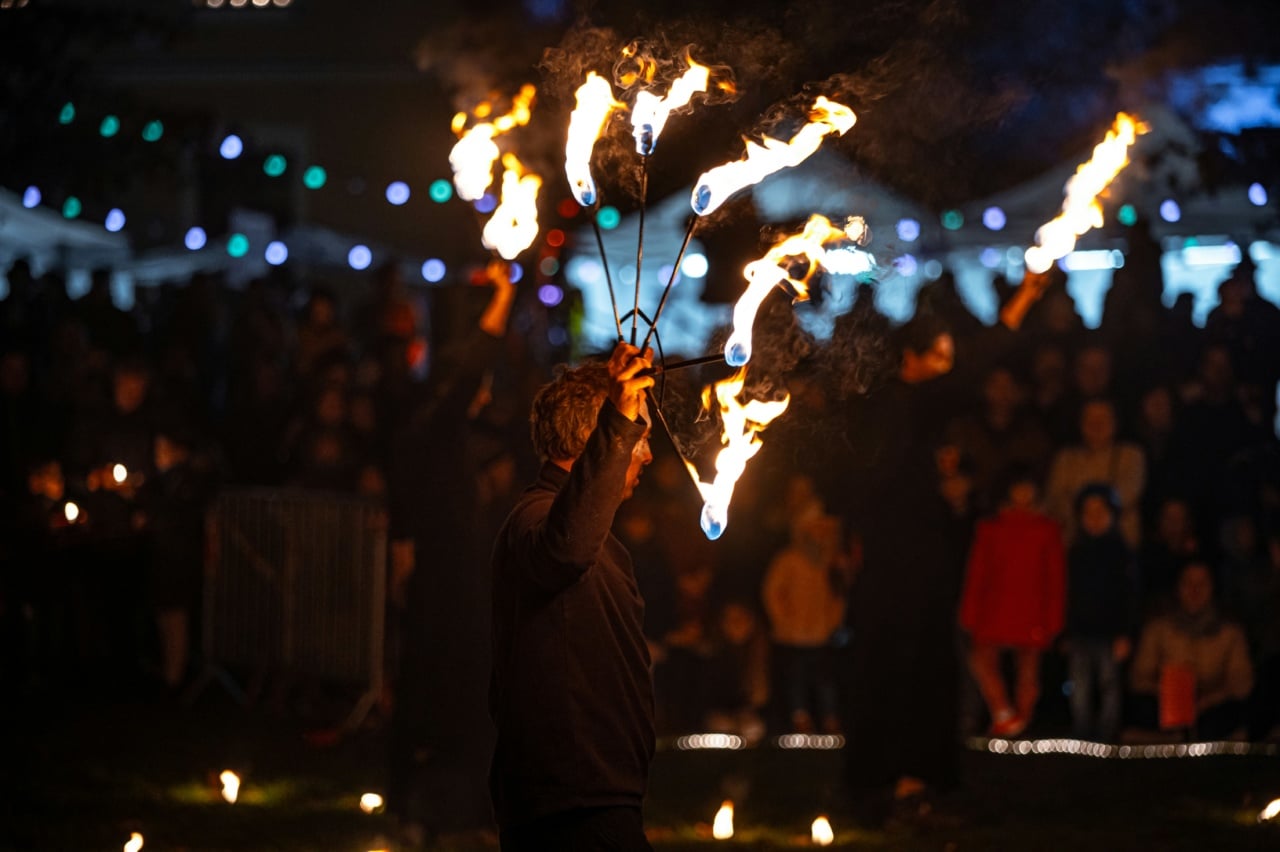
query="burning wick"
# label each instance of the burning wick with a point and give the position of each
(722, 828)
(741, 425)
(135, 842)
(514, 225)
(718, 185)
(821, 832)
(119, 473)
(475, 152)
(230, 785)
(595, 104)
(650, 113)
(71, 512)
(1080, 209)
(790, 265)
(370, 802)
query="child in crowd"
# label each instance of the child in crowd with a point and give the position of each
(1100, 607)
(1013, 600)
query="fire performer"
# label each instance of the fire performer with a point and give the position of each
(571, 693)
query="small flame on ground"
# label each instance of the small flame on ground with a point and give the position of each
(370, 802)
(821, 832)
(135, 842)
(71, 512)
(1270, 812)
(722, 828)
(762, 159)
(119, 473)
(790, 264)
(475, 152)
(740, 434)
(1080, 209)
(595, 103)
(230, 785)
(649, 114)
(514, 225)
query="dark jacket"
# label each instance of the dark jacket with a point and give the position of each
(1100, 594)
(571, 695)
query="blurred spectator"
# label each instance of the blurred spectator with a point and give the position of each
(1013, 601)
(738, 673)
(680, 681)
(1098, 458)
(1100, 614)
(1173, 541)
(1192, 667)
(804, 595)
(319, 334)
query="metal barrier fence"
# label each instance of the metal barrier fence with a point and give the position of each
(296, 585)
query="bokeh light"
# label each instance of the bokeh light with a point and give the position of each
(906, 265)
(952, 220)
(276, 253)
(433, 270)
(67, 114)
(315, 177)
(71, 208)
(550, 295)
(1257, 195)
(110, 127)
(115, 220)
(31, 197)
(195, 239)
(232, 146)
(397, 192)
(237, 245)
(440, 191)
(1127, 215)
(516, 272)
(152, 131)
(557, 336)
(609, 218)
(549, 266)
(568, 208)
(994, 218)
(1170, 211)
(274, 165)
(486, 203)
(555, 238)
(694, 265)
(991, 257)
(908, 230)
(359, 257)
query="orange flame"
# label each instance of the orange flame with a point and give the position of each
(230, 785)
(135, 842)
(821, 832)
(742, 424)
(1081, 210)
(649, 114)
(514, 225)
(595, 103)
(474, 154)
(790, 264)
(722, 828)
(762, 159)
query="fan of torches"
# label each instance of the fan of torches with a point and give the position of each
(742, 420)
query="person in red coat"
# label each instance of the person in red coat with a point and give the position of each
(1014, 600)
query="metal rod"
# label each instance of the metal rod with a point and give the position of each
(675, 270)
(644, 191)
(683, 365)
(604, 261)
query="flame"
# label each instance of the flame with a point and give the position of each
(1081, 210)
(740, 434)
(370, 802)
(1270, 812)
(119, 473)
(474, 154)
(71, 512)
(595, 104)
(716, 186)
(821, 832)
(789, 264)
(514, 225)
(230, 785)
(135, 842)
(722, 828)
(643, 69)
(649, 114)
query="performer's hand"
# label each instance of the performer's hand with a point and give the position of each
(626, 388)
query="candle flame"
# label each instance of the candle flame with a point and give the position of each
(741, 426)
(722, 828)
(770, 155)
(135, 842)
(119, 473)
(1270, 812)
(1080, 209)
(649, 114)
(790, 264)
(595, 103)
(370, 802)
(514, 224)
(230, 785)
(71, 512)
(821, 832)
(475, 152)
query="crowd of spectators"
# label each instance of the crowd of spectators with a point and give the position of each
(1113, 494)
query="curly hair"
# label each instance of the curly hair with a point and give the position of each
(564, 411)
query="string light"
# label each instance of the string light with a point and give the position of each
(953, 220)
(153, 131)
(359, 257)
(110, 127)
(609, 218)
(237, 245)
(908, 230)
(694, 265)
(486, 203)
(994, 218)
(276, 253)
(31, 197)
(274, 165)
(1170, 211)
(1127, 215)
(115, 220)
(1257, 195)
(314, 177)
(67, 114)
(440, 191)
(397, 192)
(433, 270)
(232, 147)
(550, 295)
(71, 208)
(195, 239)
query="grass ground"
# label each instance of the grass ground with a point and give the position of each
(80, 777)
